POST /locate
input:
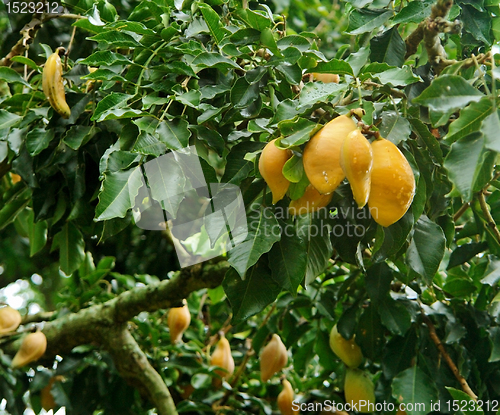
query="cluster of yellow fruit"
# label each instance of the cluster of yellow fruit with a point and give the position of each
(358, 387)
(33, 345)
(378, 172)
(273, 358)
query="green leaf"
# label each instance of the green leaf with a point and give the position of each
(148, 144)
(175, 134)
(466, 252)
(365, 20)
(430, 141)
(14, 206)
(251, 295)
(388, 47)
(370, 333)
(293, 169)
(358, 59)
(117, 194)
(116, 38)
(104, 75)
(111, 106)
(466, 404)
(477, 23)
(398, 76)
(213, 22)
(10, 76)
(8, 120)
(399, 354)
(470, 120)
(71, 248)
(213, 60)
(314, 92)
(296, 132)
(495, 344)
(166, 182)
(394, 316)
(414, 12)
(237, 168)
(243, 93)
(394, 127)
(490, 128)
(37, 234)
(378, 282)
(463, 163)
(335, 66)
(25, 61)
(263, 232)
(105, 58)
(316, 235)
(288, 260)
(79, 135)
(492, 274)
(38, 139)
(426, 249)
(458, 284)
(448, 93)
(416, 389)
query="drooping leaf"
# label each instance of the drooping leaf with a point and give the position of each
(388, 47)
(470, 120)
(71, 248)
(426, 249)
(251, 295)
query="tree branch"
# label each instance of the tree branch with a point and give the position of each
(489, 219)
(134, 367)
(69, 331)
(432, 332)
(28, 33)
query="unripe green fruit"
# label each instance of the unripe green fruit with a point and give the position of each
(347, 350)
(359, 390)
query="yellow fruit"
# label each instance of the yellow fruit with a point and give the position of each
(273, 358)
(178, 321)
(10, 319)
(311, 201)
(326, 77)
(356, 160)
(53, 87)
(222, 357)
(32, 348)
(393, 184)
(271, 165)
(359, 390)
(15, 178)
(346, 350)
(46, 397)
(321, 156)
(285, 399)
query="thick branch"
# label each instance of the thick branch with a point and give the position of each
(451, 364)
(134, 367)
(69, 331)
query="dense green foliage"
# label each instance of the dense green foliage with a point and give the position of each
(228, 77)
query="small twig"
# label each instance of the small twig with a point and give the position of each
(461, 211)
(432, 332)
(38, 317)
(489, 219)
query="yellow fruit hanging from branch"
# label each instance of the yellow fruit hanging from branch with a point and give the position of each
(53, 86)
(32, 348)
(346, 350)
(356, 160)
(178, 321)
(271, 165)
(359, 390)
(392, 183)
(273, 358)
(10, 319)
(321, 155)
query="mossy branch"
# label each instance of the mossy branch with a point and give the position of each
(105, 325)
(134, 367)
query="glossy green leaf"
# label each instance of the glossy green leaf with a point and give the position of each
(388, 47)
(470, 120)
(426, 249)
(416, 389)
(10, 76)
(71, 248)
